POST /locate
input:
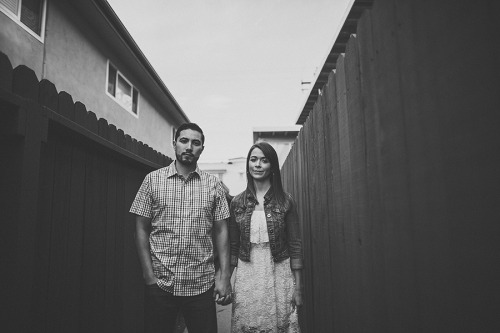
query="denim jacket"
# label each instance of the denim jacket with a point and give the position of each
(282, 227)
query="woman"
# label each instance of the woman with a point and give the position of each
(266, 249)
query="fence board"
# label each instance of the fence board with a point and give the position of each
(427, 188)
(335, 206)
(80, 114)
(63, 286)
(298, 190)
(113, 136)
(330, 162)
(113, 219)
(312, 216)
(10, 188)
(305, 211)
(345, 265)
(47, 95)
(76, 223)
(358, 184)
(94, 256)
(91, 123)
(26, 85)
(41, 294)
(320, 220)
(66, 106)
(394, 171)
(119, 257)
(102, 128)
(309, 202)
(121, 138)
(133, 297)
(376, 296)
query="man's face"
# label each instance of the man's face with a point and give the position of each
(188, 147)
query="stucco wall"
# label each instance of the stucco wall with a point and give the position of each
(21, 47)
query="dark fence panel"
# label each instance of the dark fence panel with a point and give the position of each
(68, 179)
(396, 174)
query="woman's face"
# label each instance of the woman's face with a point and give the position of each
(258, 165)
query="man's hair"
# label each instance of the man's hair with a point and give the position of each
(191, 126)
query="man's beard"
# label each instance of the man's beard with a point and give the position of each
(186, 160)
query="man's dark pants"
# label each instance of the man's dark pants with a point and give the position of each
(161, 309)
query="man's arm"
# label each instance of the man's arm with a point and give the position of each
(222, 290)
(142, 231)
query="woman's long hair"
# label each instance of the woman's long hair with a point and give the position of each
(275, 177)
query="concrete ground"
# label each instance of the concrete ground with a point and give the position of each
(224, 318)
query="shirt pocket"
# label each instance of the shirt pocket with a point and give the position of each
(278, 216)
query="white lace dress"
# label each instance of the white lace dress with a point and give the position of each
(263, 289)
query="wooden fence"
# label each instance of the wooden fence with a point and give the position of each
(397, 174)
(67, 181)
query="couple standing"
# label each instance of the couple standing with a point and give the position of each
(181, 215)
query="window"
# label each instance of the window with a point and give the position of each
(121, 90)
(29, 14)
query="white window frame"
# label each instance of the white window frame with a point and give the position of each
(118, 73)
(16, 17)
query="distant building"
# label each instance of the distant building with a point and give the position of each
(280, 137)
(232, 173)
(84, 49)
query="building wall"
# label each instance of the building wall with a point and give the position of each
(232, 173)
(74, 56)
(21, 47)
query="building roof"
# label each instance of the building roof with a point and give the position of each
(330, 63)
(276, 132)
(292, 128)
(110, 27)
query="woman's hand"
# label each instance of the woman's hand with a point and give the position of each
(297, 297)
(222, 291)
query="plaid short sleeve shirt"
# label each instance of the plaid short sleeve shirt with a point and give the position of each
(182, 212)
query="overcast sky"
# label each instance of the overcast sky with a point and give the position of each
(233, 65)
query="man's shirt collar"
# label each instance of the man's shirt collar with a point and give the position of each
(172, 171)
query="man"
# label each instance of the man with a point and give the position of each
(177, 209)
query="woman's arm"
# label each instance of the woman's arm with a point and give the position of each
(297, 292)
(294, 235)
